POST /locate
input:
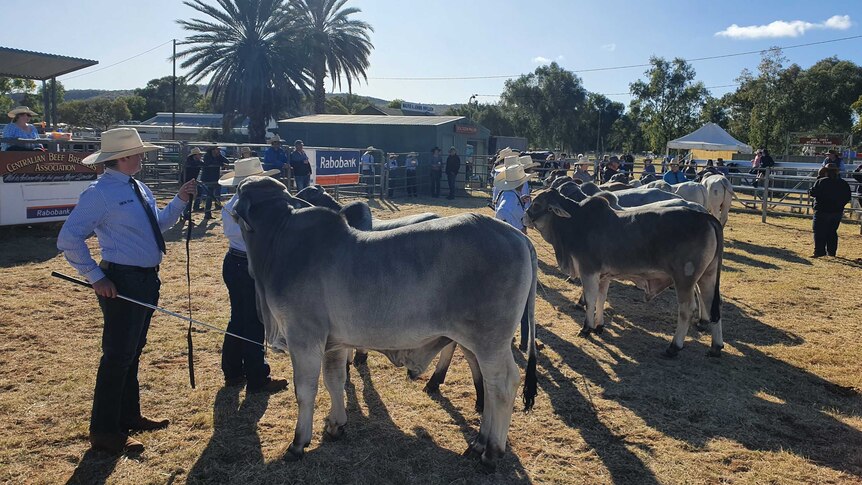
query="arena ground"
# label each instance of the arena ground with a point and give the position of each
(781, 406)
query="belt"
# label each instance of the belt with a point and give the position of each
(125, 267)
(237, 252)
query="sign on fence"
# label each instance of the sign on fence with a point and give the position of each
(336, 167)
(21, 167)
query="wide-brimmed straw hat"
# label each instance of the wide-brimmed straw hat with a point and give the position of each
(512, 177)
(195, 151)
(21, 110)
(243, 168)
(119, 143)
(275, 139)
(513, 161)
(507, 152)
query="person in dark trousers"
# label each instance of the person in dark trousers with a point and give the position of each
(128, 224)
(214, 161)
(830, 194)
(411, 164)
(453, 164)
(243, 363)
(436, 171)
(300, 166)
(192, 170)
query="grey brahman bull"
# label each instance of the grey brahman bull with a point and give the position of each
(324, 288)
(719, 196)
(600, 244)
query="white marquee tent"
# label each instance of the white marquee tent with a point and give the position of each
(709, 137)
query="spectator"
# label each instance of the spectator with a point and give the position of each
(674, 176)
(581, 169)
(649, 168)
(453, 164)
(628, 165)
(192, 170)
(20, 127)
(564, 162)
(410, 166)
(612, 168)
(721, 168)
(300, 166)
(833, 157)
(664, 163)
(394, 176)
(436, 171)
(707, 171)
(830, 194)
(691, 170)
(214, 161)
(857, 203)
(366, 166)
(274, 158)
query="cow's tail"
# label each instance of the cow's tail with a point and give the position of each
(715, 310)
(531, 383)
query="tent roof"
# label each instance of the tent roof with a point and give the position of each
(709, 137)
(37, 65)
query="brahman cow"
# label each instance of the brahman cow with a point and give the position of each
(691, 191)
(599, 244)
(719, 196)
(574, 192)
(324, 288)
(358, 214)
(633, 197)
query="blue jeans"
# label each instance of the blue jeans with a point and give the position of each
(116, 400)
(302, 181)
(238, 357)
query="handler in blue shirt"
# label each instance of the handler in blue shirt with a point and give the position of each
(274, 157)
(128, 224)
(674, 176)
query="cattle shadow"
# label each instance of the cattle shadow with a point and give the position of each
(235, 445)
(759, 401)
(853, 263)
(748, 261)
(770, 251)
(94, 468)
(28, 244)
(375, 450)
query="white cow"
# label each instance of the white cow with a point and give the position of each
(719, 195)
(691, 191)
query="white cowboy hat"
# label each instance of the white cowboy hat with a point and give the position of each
(507, 152)
(245, 151)
(512, 177)
(21, 110)
(245, 167)
(274, 139)
(515, 161)
(195, 151)
(119, 143)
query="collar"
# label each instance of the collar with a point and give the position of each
(110, 172)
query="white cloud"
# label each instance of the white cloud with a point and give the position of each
(545, 60)
(609, 47)
(782, 28)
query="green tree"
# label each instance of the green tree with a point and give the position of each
(98, 113)
(857, 112)
(158, 95)
(600, 117)
(10, 85)
(548, 106)
(36, 101)
(489, 115)
(338, 45)
(395, 103)
(252, 55)
(137, 107)
(714, 111)
(669, 100)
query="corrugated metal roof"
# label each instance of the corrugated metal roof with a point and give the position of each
(375, 120)
(38, 65)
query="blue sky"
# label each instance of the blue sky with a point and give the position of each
(469, 38)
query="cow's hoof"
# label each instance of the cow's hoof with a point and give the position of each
(412, 375)
(585, 332)
(334, 431)
(671, 351)
(361, 358)
(294, 453)
(489, 459)
(599, 329)
(474, 450)
(703, 325)
(714, 351)
(431, 387)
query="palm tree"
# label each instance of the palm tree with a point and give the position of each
(242, 46)
(337, 44)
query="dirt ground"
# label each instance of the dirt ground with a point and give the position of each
(779, 407)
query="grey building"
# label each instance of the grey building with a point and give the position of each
(389, 133)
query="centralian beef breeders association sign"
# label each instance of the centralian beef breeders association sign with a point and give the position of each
(21, 167)
(337, 167)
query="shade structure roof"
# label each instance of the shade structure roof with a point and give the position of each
(375, 119)
(709, 137)
(38, 65)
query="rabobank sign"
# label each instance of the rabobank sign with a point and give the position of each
(337, 167)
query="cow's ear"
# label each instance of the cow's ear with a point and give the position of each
(240, 215)
(559, 211)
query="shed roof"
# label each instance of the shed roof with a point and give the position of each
(38, 65)
(375, 120)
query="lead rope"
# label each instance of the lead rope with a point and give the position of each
(189, 286)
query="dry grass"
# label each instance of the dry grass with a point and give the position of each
(778, 407)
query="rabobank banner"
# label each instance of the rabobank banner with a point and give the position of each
(336, 167)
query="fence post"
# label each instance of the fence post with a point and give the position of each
(766, 176)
